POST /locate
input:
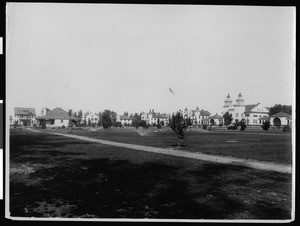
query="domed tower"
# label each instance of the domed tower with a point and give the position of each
(227, 102)
(240, 100)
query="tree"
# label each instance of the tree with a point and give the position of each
(79, 113)
(158, 123)
(136, 118)
(243, 124)
(179, 124)
(108, 118)
(266, 125)
(227, 119)
(70, 112)
(143, 123)
(278, 108)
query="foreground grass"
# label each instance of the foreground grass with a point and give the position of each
(275, 148)
(53, 176)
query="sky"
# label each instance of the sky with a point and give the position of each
(125, 57)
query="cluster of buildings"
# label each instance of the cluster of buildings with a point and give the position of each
(253, 114)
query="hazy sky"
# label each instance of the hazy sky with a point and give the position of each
(125, 57)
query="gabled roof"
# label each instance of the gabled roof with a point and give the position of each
(125, 117)
(249, 107)
(58, 113)
(216, 116)
(89, 113)
(281, 114)
(204, 113)
(24, 111)
(264, 118)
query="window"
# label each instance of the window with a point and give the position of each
(255, 121)
(237, 114)
(61, 120)
(254, 115)
(242, 115)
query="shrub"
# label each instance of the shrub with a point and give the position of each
(158, 126)
(243, 125)
(221, 124)
(118, 124)
(204, 126)
(63, 127)
(232, 127)
(266, 125)
(287, 128)
(43, 125)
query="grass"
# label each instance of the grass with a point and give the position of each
(53, 176)
(268, 147)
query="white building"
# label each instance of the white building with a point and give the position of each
(57, 117)
(90, 117)
(198, 117)
(23, 116)
(124, 119)
(153, 117)
(281, 119)
(239, 110)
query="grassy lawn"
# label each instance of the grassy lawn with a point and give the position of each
(258, 146)
(53, 176)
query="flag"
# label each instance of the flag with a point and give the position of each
(171, 91)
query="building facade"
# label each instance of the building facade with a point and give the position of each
(254, 114)
(124, 119)
(152, 118)
(57, 117)
(23, 116)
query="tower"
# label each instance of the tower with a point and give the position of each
(227, 102)
(240, 100)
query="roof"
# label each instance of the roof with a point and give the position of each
(58, 113)
(216, 116)
(249, 107)
(264, 118)
(24, 111)
(125, 117)
(204, 113)
(281, 114)
(90, 113)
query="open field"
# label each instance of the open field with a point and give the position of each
(54, 176)
(269, 147)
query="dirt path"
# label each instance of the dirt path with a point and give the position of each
(194, 155)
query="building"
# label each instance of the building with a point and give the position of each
(23, 116)
(216, 120)
(152, 117)
(57, 117)
(198, 117)
(124, 119)
(254, 114)
(90, 118)
(281, 119)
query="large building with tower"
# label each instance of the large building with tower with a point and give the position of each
(254, 114)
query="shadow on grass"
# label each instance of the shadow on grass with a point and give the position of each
(118, 188)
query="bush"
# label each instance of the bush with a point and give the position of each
(221, 124)
(242, 125)
(232, 127)
(63, 127)
(118, 124)
(287, 129)
(158, 125)
(43, 125)
(204, 126)
(266, 125)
